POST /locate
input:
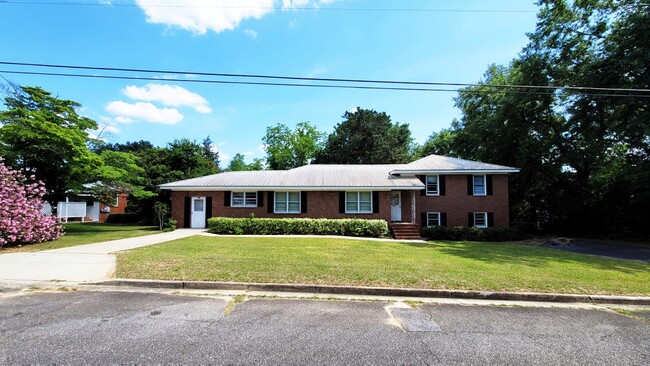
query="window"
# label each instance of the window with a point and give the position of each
(433, 219)
(287, 202)
(432, 185)
(479, 185)
(244, 199)
(198, 205)
(358, 202)
(480, 219)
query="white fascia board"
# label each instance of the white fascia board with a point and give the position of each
(241, 188)
(473, 171)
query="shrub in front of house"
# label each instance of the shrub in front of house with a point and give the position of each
(471, 233)
(123, 218)
(262, 226)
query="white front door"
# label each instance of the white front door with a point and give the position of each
(396, 206)
(198, 213)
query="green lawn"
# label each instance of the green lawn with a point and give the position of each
(78, 234)
(437, 265)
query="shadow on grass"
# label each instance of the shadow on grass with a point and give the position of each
(528, 255)
(93, 227)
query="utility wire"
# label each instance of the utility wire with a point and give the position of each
(331, 86)
(339, 80)
(157, 5)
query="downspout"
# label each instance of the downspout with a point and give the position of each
(412, 207)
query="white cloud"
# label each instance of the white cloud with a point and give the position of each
(200, 16)
(292, 24)
(353, 110)
(251, 33)
(144, 112)
(247, 153)
(318, 71)
(169, 95)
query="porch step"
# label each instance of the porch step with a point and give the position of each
(406, 231)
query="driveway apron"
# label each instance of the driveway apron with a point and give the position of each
(90, 262)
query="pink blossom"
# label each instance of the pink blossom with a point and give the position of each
(21, 210)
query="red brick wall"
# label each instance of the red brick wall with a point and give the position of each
(119, 208)
(319, 205)
(457, 203)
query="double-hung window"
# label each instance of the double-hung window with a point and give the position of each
(244, 199)
(433, 219)
(433, 182)
(287, 202)
(358, 202)
(480, 219)
(480, 185)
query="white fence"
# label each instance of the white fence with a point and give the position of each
(70, 210)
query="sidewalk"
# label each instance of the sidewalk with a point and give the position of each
(90, 262)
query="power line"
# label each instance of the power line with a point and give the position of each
(312, 79)
(330, 86)
(214, 6)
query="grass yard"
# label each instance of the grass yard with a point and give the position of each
(79, 234)
(438, 265)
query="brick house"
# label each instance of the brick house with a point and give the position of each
(434, 190)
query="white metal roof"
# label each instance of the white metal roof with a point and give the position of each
(442, 164)
(336, 177)
(308, 177)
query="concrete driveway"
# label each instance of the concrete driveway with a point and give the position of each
(90, 262)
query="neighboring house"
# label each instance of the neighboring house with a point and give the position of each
(84, 208)
(435, 190)
(119, 206)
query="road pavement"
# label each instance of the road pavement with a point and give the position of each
(156, 328)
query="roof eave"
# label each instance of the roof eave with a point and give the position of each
(287, 188)
(457, 171)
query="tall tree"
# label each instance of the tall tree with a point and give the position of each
(367, 137)
(238, 163)
(286, 149)
(44, 136)
(209, 152)
(583, 152)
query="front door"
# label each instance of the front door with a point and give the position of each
(198, 213)
(396, 206)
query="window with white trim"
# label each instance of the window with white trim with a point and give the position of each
(433, 219)
(480, 219)
(433, 182)
(287, 202)
(244, 199)
(358, 202)
(480, 185)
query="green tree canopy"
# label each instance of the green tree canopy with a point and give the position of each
(238, 164)
(367, 137)
(286, 149)
(44, 136)
(584, 153)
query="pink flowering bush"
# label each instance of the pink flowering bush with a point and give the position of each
(21, 211)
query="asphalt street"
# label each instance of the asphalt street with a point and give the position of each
(151, 328)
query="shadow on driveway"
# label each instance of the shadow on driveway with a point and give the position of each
(618, 251)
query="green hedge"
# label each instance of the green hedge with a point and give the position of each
(347, 227)
(471, 233)
(123, 218)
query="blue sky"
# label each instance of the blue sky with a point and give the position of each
(259, 37)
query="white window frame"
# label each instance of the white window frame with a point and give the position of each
(426, 185)
(429, 219)
(484, 185)
(358, 200)
(275, 200)
(485, 219)
(245, 193)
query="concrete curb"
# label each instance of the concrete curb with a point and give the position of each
(380, 291)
